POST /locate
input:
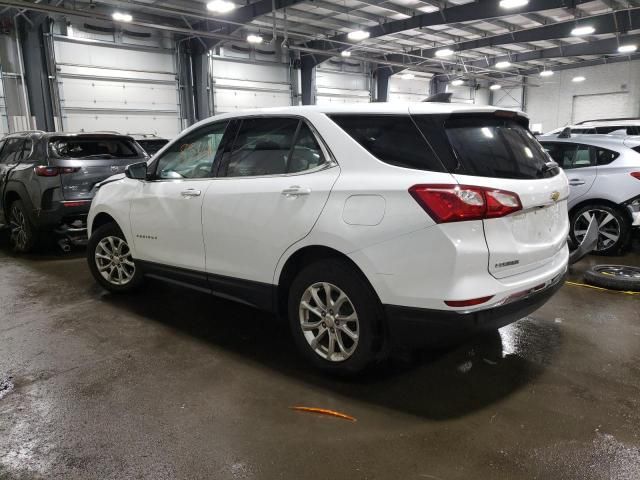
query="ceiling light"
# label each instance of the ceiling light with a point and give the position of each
(582, 31)
(220, 6)
(627, 48)
(407, 76)
(578, 79)
(502, 64)
(444, 52)
(495, 86)
(546, 73)
(253, 38)
(358, 35)
(457, 82)
(513, 3)
(121, 17)
(345, 53)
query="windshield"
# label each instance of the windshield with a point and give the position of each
(98, 147)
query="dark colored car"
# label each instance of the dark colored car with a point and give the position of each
(47, 181)
(150, 142)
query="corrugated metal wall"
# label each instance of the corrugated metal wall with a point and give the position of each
(342, 82)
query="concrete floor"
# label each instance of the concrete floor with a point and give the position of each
(175, 384)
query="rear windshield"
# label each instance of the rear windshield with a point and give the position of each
(87, 148)
(152, 146)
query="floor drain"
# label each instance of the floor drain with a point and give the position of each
(5, 387)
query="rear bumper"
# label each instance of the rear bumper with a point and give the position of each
(418, 327)
(68, 221)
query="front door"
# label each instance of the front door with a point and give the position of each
(166, 213)
(272, 186)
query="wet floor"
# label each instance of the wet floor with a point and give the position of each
(171, 384)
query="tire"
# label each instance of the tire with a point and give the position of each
(110, 260)
(23, 236)
(615, 277)
(613, 223)
(350, 356)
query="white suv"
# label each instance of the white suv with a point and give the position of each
(367, 225)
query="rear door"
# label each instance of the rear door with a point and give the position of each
(499, 152)
(579, 163)
(90, 160)
(272, 186)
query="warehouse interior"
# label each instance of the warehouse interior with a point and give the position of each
(176, 384)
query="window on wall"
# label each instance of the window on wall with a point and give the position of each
(272, 146)
(192, 156)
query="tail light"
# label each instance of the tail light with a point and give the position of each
(458, 203)
(635, 175)
(45, 171)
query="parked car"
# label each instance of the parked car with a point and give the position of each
(625, 126)
(47, 181)
(604, 175)
(150, 142)
(367, 225)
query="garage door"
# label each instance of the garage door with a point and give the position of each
(105, 88)
(342, 82)
(411, 90)
(603, 105)
(238, 85)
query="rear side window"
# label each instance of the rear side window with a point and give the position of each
(97, 147)
(12, 151)
(488, 146)
(393, 139)
(571, 155)
(153, 146)
(605, 156)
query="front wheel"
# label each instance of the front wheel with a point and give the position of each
(335, 317)
(613, 228)
(110, 260)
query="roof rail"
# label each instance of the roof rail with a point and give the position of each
(608, 120)
(26, 131)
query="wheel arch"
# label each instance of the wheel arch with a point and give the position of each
(101, 219)
(305, 256)
(601, 201)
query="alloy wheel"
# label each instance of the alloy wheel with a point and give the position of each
(329, 322)
(114, 261)
(18, 224)
(609, 229)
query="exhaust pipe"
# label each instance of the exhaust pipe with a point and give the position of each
(64, 245)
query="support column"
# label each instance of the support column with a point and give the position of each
(308, 65)
(438, 84)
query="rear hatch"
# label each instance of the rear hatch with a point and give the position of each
(497, 151)
(85, 160)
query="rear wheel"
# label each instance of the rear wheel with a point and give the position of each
(110, 260)
(23, 233)
(335, 317)
(613, 228)
(616, 277)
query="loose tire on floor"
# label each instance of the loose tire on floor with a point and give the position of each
(614, 228)
(23, 234)
(110, 260)
(331, 306)
(615, 277)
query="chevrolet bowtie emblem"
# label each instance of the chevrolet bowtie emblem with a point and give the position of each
(555, 196)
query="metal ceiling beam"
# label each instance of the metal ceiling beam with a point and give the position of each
(607, 46)
(588, 63)
(482, 9)
(619, 21)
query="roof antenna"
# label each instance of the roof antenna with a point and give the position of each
(443, 97)
(566, 133)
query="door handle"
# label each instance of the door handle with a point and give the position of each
(190, 192)
(576, 181)
(296, 191)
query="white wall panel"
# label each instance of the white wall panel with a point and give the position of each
(413, 90)
(129, 90)
(238, 85)
(552, 103)
(334, 86)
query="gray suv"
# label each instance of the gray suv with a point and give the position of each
(604, 177)
(47, 181)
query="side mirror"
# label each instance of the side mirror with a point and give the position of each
(136, 171)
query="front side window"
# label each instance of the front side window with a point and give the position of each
(272, 146)
(193, 155)
(570, 155)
